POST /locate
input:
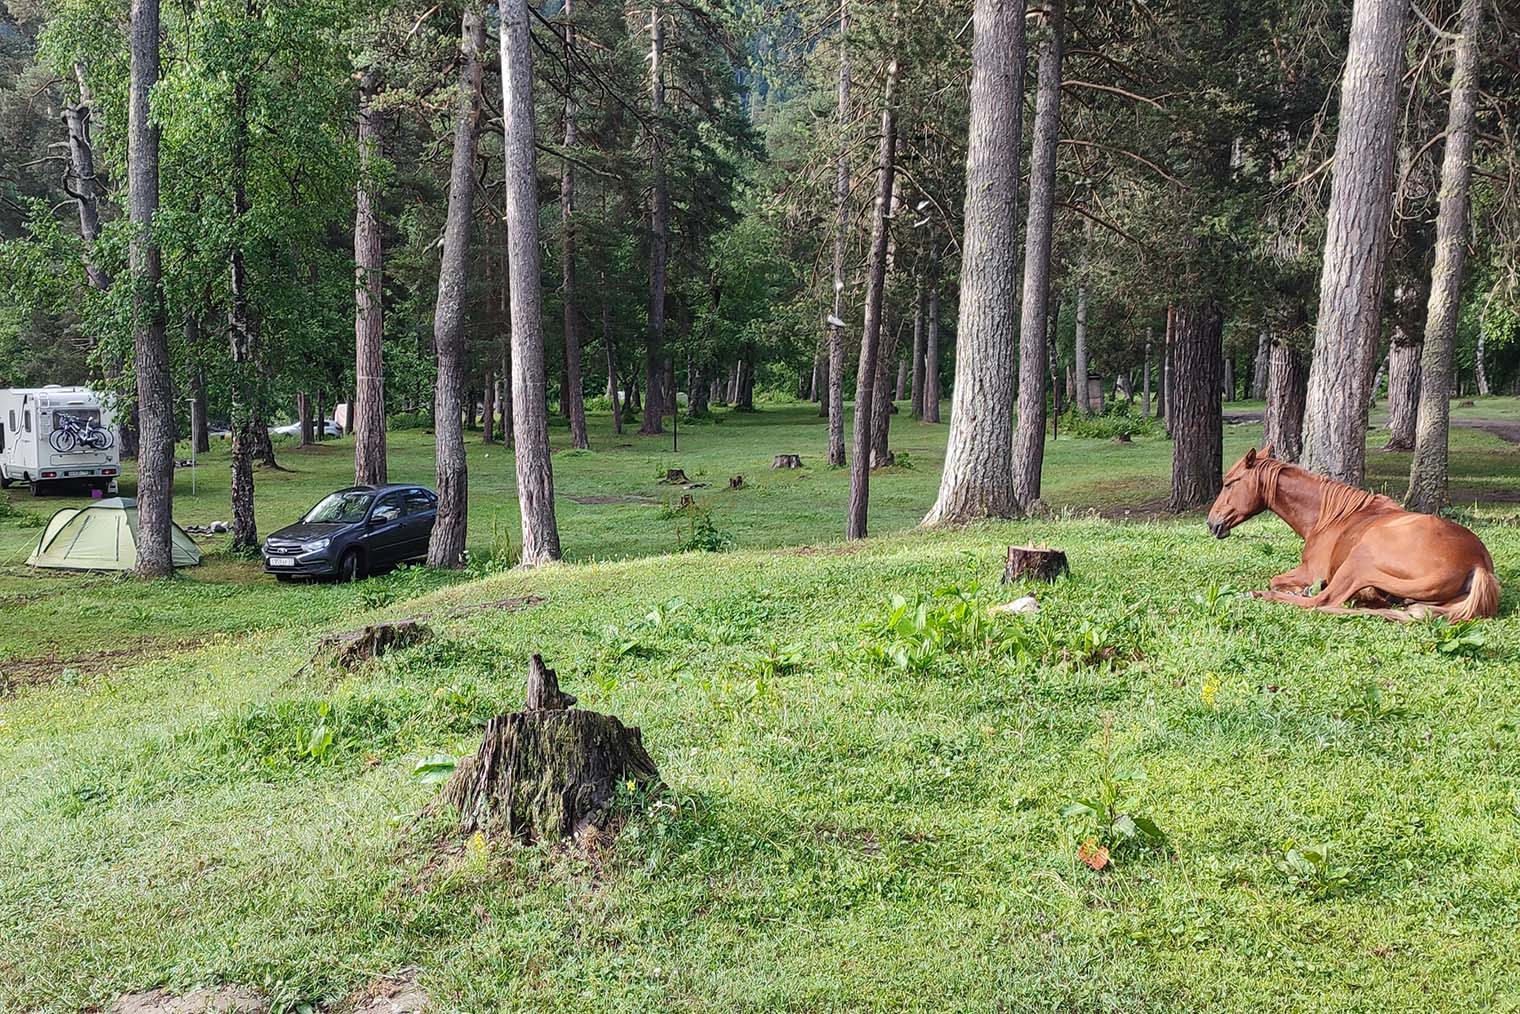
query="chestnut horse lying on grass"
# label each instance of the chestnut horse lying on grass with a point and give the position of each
(1361, 546)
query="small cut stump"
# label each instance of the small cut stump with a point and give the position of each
(675, 477)
(1034, 563)
(737, 482)
(352, 648)
(548, 772)
(787, 461)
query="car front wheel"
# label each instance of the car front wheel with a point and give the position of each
(351, 566)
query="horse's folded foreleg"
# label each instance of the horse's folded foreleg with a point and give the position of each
(1294, 582)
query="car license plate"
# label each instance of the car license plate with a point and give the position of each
(281, 561)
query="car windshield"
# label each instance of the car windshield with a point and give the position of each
(340, 508)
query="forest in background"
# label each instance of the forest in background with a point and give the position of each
(730, 196)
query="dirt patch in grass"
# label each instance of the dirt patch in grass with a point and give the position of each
(510, 605)
(601, 500)
(208, 1000)
(44, 669)
(395, 994)
(840, 549)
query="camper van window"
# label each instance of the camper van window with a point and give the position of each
(83, 416)
(13, 419)
(26, 418)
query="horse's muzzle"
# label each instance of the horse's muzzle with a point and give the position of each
(1219, 528)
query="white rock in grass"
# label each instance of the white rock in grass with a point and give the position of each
(1017, 607)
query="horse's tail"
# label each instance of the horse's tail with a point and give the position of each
(1482, 599)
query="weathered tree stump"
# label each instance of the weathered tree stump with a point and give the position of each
(686, 503)
(1465, 403)
(737, 482)
(1038, 563)
(350, 648)
(787, 461)
(1123, 438)
(675, 477)
(548, 772)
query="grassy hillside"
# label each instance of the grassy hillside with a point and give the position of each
(611, 506)
(861, 817)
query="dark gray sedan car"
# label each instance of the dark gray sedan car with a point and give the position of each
(354, 532)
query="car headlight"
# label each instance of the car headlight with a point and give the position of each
(316, 546)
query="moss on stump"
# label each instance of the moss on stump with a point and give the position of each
(548, 772)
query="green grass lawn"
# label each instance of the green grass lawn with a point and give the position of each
(844, 832)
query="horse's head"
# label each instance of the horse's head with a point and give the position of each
(1244, 494)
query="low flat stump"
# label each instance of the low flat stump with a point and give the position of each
(351, 648)
(787, 461)
(1037, 563)
(675, 477)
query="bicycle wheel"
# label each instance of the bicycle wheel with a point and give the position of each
(63, 441)
(99, 439)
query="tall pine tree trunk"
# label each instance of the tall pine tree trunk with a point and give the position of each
(1356, 241)
(978, 475)
(870, 336)
(447, 543)
(931, 344)
(87, 190)
(1079, 354)
(609, 345)
(1403, 395)
(530, 408)
(1197, 423)
(1034, 329)
(150, 344)
(1287, 387)
(659, 230)
(920, 324)
(1260, 366)
(245, 424)
(572, 395)
(1428, 470)
(841, 239)
(369, 329)
(488, 407)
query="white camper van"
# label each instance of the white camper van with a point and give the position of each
(57, 436)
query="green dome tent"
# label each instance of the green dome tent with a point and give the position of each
(101, 536)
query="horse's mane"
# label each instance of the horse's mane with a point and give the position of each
(1337, 500)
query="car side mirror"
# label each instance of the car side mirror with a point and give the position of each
(375, 521)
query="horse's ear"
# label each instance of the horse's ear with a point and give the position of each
(1250, 458)
(1266, 452)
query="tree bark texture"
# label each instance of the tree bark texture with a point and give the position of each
(1197, 422)
(659, 231)
(609, 345)
(488, 408)
(447, 543)
(155, 383)
(1287, 387)
(931, 344)
(1356, 242)
(82, 183)
(550, 771)
(369, 327)
(1036, 333)
(920, 326)
(530, 409)
(870, 336)
(841, 241)
(1260, 366)
(977, 480)
(1079, 354)
(573, 394)
(1428, 469)
(1403, 395)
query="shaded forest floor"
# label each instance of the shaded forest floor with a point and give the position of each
(856, 823)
